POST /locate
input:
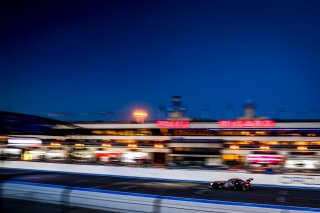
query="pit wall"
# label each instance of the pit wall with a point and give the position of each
(170, 174)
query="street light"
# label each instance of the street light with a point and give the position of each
(234, 147)
(158, 146)
(140, 115)
(265, 147)
(302, 148)
(132, 145)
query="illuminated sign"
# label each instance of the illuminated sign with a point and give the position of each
(173, 124)
(246, 123)
(265, 158)
(24, 141)
(232, 157)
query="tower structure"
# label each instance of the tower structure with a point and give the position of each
(249, 112)
(177, 111)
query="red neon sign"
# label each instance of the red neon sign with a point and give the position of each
(173, 124)
(246, 123)
(265, 158)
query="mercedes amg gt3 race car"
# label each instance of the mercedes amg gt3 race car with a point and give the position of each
(232, 184)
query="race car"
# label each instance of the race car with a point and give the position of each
(232, 184)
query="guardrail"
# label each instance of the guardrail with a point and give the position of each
(131, 202)
(307, 181)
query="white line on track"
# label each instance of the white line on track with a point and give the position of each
(114, 184)
(127, 187)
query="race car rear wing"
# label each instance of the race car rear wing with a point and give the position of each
(249, 180)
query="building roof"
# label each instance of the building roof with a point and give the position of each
(19, 123)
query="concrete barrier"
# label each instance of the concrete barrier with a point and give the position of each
(180, 206)
(172, 174)
(132, 202)
(113, 201)
(32, 192)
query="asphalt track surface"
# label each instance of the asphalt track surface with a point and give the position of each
(261, 195)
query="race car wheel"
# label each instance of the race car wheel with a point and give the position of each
(245, 188)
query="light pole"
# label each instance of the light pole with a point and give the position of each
(140, 115)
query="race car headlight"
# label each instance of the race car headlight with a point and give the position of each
(211, 184)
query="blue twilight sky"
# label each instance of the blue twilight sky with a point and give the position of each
(84, 57)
